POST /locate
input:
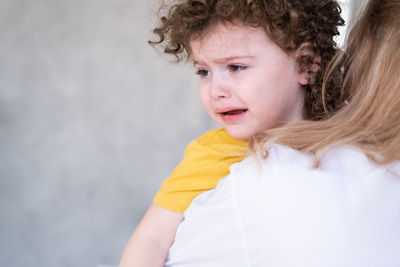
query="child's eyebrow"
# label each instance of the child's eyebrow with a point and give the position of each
(224, 59)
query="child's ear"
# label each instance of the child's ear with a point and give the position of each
(308, 63)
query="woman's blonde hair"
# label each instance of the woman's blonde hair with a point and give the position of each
(371, 119)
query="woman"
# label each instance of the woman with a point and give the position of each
(315, 193)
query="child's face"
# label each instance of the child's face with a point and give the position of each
(248, 83)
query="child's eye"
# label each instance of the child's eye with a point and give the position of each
(236, 67)
(203, 73)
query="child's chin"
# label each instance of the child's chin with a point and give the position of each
(241, 135)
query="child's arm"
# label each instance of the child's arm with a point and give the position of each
(206, 161)
(152, 239)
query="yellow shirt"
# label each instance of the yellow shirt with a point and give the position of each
(205, 162)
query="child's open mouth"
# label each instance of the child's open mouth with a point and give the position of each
(233, 115)
(234, 112)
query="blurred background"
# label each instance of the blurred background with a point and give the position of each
(92, 120)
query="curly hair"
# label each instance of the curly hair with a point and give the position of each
(289, 23)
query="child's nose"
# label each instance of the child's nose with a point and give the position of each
(220, 88)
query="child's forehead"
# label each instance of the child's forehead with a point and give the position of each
(224, 33)
(235, 39)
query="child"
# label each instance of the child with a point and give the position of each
(261, 65)
(276, 210)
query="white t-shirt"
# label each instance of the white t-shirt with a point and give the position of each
(282, 212)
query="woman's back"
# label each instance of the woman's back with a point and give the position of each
(288, 214)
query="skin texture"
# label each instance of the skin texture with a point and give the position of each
(152, 239)
(242, 69)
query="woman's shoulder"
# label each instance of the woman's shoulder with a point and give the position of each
(339, 168)
(341, 200)
(283, 202)
(278, 155)
(348, 161)
(340, 160)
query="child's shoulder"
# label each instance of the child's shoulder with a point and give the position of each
(219, 136)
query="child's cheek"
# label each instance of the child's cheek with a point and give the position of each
(205, 99)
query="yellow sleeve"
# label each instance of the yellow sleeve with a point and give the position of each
(205, 162)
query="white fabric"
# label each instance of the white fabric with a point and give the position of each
(281, 212)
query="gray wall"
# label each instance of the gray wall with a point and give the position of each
(92, 119)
